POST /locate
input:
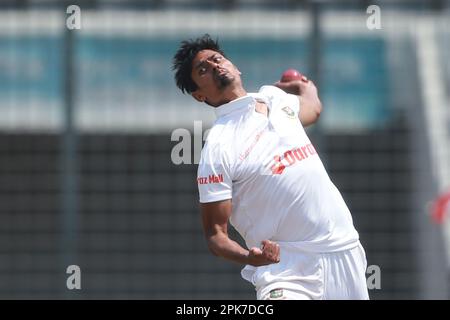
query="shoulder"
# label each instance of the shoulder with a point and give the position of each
(271, 92)
(217, 134)
(277, 97)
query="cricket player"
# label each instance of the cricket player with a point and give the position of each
(259, 171)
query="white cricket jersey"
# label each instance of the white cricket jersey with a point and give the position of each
(279, 187)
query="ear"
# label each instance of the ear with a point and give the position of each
(198, 96)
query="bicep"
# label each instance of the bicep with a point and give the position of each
(215, 217)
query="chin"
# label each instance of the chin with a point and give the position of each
(225, 82)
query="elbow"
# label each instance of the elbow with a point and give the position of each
(312, 109)
(212, 247)
(318, 109)
(215, 244)
(315, 112)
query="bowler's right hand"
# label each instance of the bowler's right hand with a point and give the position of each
(268, 254)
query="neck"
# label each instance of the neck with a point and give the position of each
(231, 95)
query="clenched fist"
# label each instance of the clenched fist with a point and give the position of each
(268, 253)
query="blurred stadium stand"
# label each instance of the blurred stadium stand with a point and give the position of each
(137, 232)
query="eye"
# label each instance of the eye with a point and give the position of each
(202, 70)
(217, 59)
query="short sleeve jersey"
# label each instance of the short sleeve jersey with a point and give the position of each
(270, 170)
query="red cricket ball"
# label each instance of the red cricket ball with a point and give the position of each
(292, 74)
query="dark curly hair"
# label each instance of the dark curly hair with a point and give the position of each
(182, 60)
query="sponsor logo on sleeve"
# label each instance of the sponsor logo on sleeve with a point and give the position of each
(210, 179)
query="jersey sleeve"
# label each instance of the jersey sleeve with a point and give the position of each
(275, 95)
(214, 175)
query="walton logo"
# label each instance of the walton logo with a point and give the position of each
(291, 157)
(210, 179)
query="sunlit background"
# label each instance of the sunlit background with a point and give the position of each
(86, 123)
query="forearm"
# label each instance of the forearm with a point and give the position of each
(215, 216)
(221, 245)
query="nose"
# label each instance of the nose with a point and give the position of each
(212, 65)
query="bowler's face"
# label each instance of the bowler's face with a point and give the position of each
(213, 74)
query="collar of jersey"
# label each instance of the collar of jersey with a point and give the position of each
(237, 105)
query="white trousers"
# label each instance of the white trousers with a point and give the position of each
(319, 276)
